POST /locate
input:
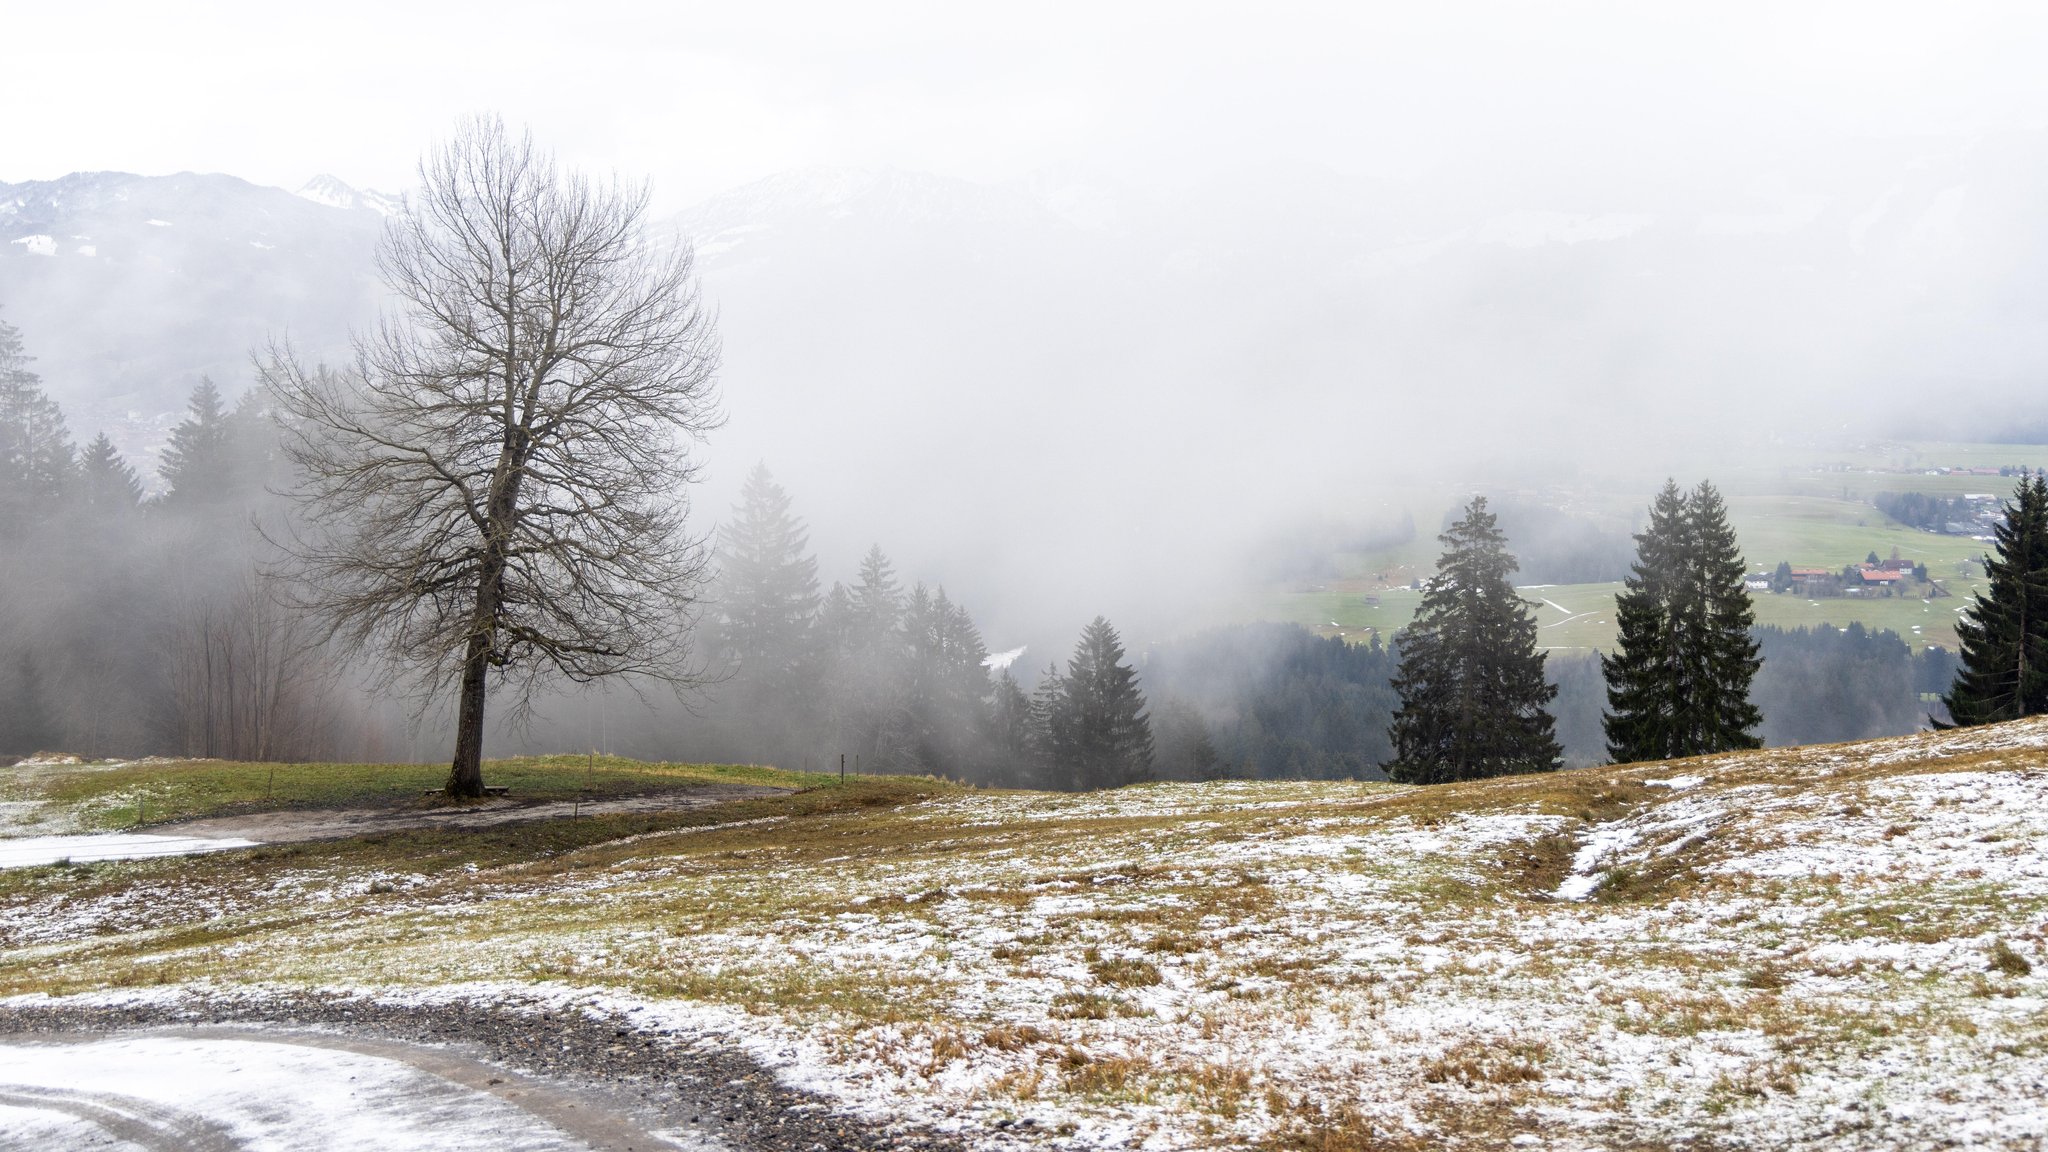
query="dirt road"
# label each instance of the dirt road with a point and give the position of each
(305, 1071)
(295, 825)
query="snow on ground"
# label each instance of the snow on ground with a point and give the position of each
(31, 851)
(161, 1091)
(1832, 948)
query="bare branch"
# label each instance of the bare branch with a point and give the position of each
(499, 480)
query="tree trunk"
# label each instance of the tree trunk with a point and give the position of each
(466, 776)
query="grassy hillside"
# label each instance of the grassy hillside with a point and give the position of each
(1831, 947)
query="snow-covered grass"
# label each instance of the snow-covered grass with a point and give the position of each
(1831, 947)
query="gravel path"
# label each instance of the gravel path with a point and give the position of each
(556, 1059)
(294, 825)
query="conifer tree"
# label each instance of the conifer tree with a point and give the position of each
(1046, 722)
(768, 604)
(1644, 689)
(877, 601)
(767, 585)
(1726, 660)
(198, 467)
(1010, 735)
(947, 683)
(1678, 683)
(107, 486)
(36, 457)
(1471, 680)
(2004, 636)
(866, 687)
(1099, 735)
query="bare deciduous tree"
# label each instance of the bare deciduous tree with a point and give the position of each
(499, 483)
(246, 684)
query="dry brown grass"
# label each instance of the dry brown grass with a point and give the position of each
(1475, 1063)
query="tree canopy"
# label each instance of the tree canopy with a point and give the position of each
(2003, 638)
(496, 489)
(1471, 681)
(1679, 680)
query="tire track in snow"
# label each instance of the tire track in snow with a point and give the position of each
(128, 1119)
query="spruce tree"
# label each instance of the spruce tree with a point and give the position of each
(1678, 683)
(1047, 723)
(1725, 659)
(767, 594)
(1100, 736)
(1644, 688)
(767, 585)
(1010, 735)
(1471, 680)
(947, 684)
(199, 466)
(866, 687)
(2003, 638)
(36, 458)
(107, 486)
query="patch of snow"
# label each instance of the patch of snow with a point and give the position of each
(1001, 660)
(1677, 783)
(88, 250)
(333, 193)
(1603, 843)
(158, 223)
(39, 244)
(31, 851)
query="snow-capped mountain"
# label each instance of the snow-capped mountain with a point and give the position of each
(330, 190)
(127, 289)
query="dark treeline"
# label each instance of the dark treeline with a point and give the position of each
(895, 679)
(1929, 513)
(1826, 684)
(1267, 701)
(133, 625)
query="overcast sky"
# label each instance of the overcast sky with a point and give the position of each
(700, 97)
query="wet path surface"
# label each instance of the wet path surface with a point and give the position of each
(249, 830)
(235, 1088)
(311, 1071)
(337, 823)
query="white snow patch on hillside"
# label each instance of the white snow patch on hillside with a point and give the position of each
(1602, 844)
(31, 851)
(158, 223)
(39, 244)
